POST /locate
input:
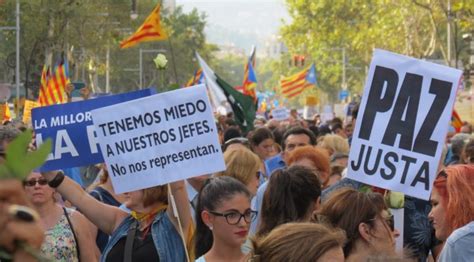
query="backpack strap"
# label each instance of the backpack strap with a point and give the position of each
(127, 253)
(73, 233)
(99, 194)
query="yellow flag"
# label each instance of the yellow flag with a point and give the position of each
(5, 114)
(150, 30)
(27, 110)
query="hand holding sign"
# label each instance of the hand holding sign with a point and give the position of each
(405, 112)
(159, 139)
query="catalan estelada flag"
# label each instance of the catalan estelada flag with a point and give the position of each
(250, 80)
(294, 85)
(456, 121)
(43, 98)
(53, 85)
(198, 78)
(150, 30)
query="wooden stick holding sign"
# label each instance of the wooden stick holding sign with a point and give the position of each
(176, 215)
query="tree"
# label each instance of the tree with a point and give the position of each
(83, 31)
(320, 29)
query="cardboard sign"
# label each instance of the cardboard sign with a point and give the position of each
(159, 139)
(281, 113)
(402, 123)
(71, 130)
(29, 105)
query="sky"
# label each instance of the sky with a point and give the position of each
(241, 23)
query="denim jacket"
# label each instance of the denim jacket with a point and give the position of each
(168, 243)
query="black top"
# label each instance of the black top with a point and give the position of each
(105, 197)
(143, 249)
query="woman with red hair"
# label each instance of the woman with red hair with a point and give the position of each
(314, 158)
(452, 213)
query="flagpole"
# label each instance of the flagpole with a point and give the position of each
(17, 68)
(141, 68)
(172, 58)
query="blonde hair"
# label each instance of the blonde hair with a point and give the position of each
(296, 242)
(242, 164)
(335, 144)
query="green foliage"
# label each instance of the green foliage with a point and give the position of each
(84, 30)
(19, 161)
(417, 28)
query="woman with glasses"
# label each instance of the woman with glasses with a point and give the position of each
(365, 219)
(68, 234)
(223, 217)
(292, 195)
(452, 212)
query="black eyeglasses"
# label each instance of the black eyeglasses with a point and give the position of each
(234, 217)
(32, 182)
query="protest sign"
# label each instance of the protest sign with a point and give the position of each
(402, 123)
(159, 139)
(71, 130)
(327, 114)
(29, 105)
(281, 113)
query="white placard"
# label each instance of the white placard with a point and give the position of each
(402, 123)
(159, 139)
(281, 114)
(340, 110)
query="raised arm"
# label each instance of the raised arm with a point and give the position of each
(105, 217)
(178, 189)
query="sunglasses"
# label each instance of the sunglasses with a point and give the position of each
(236, 140)
(389, 220)
(442, 173)
(32, 182)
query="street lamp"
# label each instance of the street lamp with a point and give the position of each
(133, 12)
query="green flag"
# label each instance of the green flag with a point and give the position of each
(242, 105)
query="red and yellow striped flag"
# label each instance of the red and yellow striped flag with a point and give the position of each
(456, 121)
(294, 85)
(43, 98)
(150, 30)
(198, 78)
(53, 85)
(5, 114)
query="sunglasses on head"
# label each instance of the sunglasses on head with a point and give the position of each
(32, 182)
(236, 140)
(442, 173)
(389, 220)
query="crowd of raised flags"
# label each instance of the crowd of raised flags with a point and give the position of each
(55, 79)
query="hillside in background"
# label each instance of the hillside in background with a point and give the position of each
(240, 23)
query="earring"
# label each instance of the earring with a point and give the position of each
(210, 227)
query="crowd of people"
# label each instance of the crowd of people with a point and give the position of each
(284, 196)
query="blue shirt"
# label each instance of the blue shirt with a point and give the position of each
(459, 245)
(75, 174)
(257, 205)
(273, 164)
